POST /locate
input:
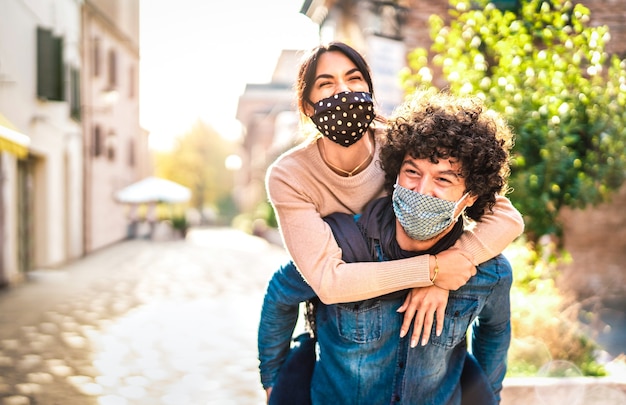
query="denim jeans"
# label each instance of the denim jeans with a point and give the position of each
(362, 360)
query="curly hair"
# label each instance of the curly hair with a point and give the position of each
(437, 125)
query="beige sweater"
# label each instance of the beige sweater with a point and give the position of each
(302, 190)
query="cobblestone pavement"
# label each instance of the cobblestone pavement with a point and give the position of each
(140, 323)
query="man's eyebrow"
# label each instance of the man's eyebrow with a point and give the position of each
(450, 173)
(411, 162)
(408, 162)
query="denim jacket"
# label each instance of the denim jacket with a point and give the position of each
(362, 359)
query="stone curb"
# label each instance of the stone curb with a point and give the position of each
(564, 390)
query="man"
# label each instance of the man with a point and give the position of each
(444, 158)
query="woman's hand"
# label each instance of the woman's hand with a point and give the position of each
(456, 266)
(424, 303)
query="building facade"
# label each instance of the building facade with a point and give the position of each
(46, 103)
(114, 143)
(39, 47)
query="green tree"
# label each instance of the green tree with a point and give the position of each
(197, 161)
(547, 71)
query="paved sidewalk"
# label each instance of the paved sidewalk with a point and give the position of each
(141, 323)
(170, 323)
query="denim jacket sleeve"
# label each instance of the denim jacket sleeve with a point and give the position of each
(491, 332)
(279, 314)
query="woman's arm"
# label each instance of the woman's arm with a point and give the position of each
(494, 232)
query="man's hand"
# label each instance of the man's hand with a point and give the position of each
(424, 303)
(268, 392)
(456, 266)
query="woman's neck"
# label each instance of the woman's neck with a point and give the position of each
(347, 161)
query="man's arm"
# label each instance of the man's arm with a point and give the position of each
(279, 315)
(491, 331)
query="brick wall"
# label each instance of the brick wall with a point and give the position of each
(603, 12)
(613, 14)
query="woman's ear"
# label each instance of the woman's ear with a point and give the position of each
(308, 109)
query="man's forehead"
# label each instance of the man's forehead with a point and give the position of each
(418, 161)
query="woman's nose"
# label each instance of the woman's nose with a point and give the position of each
(342, 87)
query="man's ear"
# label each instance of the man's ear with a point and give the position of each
(470, 200)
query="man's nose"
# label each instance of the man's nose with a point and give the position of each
(423, 187)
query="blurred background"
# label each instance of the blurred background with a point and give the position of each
(96, 96)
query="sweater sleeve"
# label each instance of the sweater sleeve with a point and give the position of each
(494, 232)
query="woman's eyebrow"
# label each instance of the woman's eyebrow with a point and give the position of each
(323, 76)
(329, 76)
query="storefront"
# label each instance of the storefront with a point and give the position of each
(13, 150)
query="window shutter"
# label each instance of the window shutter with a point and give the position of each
(50, 84)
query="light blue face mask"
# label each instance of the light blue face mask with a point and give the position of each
(423, 217)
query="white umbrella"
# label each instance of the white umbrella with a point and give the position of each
(153, 189)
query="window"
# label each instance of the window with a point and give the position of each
(110, 145)
(96, 57)
(50, 83)
(96, 148)
(131, 82)
(75, 93)
(112, 69)
(131, 153)
(507, 5)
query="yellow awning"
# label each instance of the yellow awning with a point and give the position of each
(11, 140)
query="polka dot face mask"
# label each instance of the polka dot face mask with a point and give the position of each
(344, 117)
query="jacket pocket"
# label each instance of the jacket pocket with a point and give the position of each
(460, 312)
(359, 322)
